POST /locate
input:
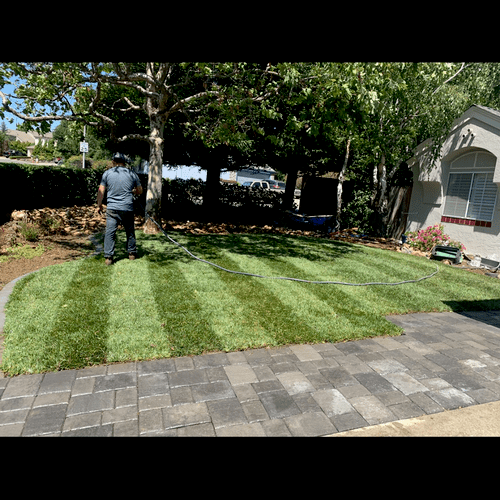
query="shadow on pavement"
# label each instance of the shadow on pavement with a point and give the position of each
(485, 311)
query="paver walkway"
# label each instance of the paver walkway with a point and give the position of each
(444, 361)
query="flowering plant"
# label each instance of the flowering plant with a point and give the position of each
(425, 239)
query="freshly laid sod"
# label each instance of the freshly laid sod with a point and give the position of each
(167, 304)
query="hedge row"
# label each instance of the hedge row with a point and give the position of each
(179, 191)
(29, 186)
(26, 186)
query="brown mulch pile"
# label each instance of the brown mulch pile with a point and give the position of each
(64, 234)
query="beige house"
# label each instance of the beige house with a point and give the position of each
(32, 137)
(461, 189)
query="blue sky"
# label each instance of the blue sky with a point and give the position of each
(9, 89)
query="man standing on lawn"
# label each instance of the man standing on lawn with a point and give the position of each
(121, 184)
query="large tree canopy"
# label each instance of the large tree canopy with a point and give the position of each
(362, 119)
(74, 92)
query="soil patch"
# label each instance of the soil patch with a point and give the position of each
(39, 238)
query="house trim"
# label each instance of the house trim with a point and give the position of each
(465, 222)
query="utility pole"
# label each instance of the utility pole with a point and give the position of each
(84, 131)
(84, 146)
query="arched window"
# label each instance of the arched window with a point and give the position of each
(471, 194)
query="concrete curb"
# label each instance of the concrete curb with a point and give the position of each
(4, 297)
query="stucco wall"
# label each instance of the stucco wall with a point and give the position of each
(476, 130)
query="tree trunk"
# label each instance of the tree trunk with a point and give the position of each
(400, 202)
(291, 180)
(154, 189)
(211, 194)
(305, 201)
(340, 185)
(378, 198)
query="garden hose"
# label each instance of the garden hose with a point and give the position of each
(285, 277)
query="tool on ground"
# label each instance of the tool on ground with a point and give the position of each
(445, 252)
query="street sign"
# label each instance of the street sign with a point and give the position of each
(84, 147)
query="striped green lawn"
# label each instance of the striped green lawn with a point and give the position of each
(166, 304)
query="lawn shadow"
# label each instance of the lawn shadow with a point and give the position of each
(211, 246)
(486, 311)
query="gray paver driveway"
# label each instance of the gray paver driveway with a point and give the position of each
(443, 361)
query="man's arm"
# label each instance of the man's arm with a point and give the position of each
(100, 196)
(138, 188)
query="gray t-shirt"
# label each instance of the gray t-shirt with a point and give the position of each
(119, 182)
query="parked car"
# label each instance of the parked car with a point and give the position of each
(12, 152)
(278, 185)
(257, 184)
(281, 185)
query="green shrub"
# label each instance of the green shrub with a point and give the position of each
(45, 152)
(183, 198)
(357, 213)
(32, 186)
(101, 164)
(233, 194)
(30, 232)
(182, 191)
(19, 146)
(77, 162)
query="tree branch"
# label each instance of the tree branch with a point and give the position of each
(42, 118)
(132, 106)
(180, 103)
(464, 66)
(97, 76)
(133, 136)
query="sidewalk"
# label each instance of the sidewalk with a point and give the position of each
(410, 384)
(473, 421)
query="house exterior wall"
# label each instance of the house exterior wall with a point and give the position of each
(31, 137)
(478, 130)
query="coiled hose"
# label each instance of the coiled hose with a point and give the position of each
(285, 277)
